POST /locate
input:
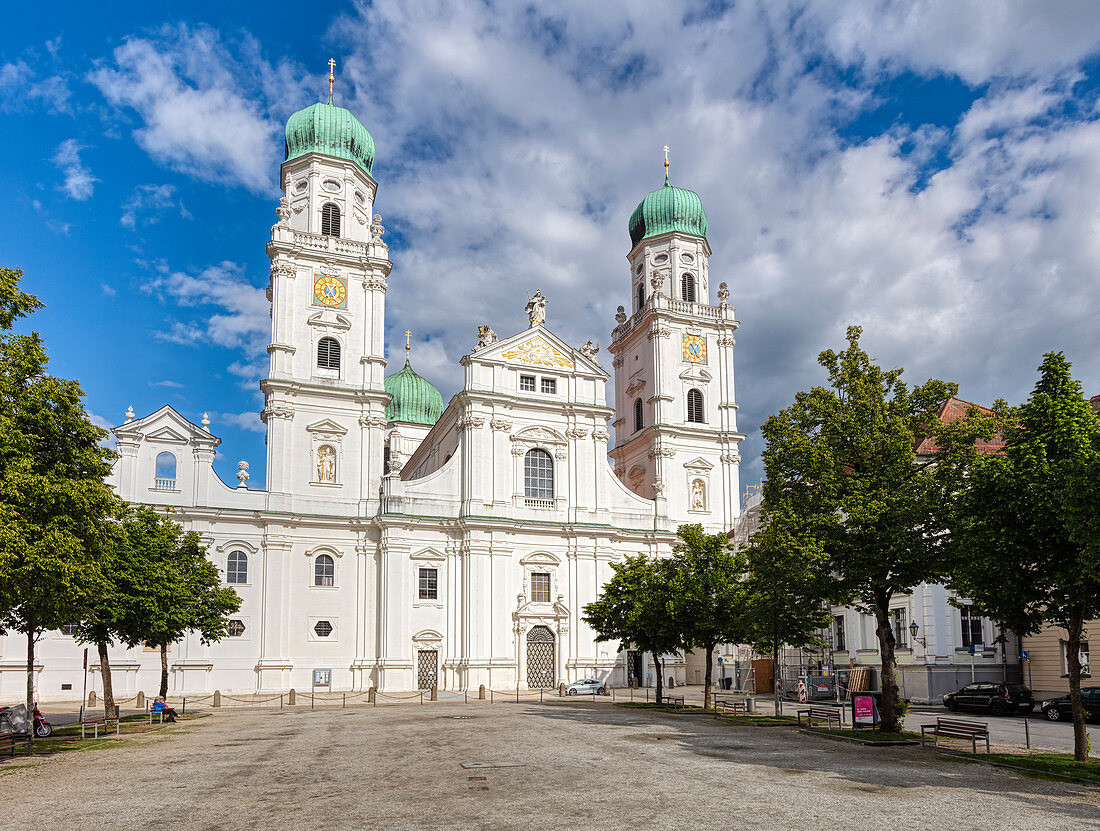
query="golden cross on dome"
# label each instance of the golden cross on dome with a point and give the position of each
(331, 77)
(666, 162)
(408, 334)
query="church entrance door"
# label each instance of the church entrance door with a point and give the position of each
(540, 658)
(633, 668)
(427, 668)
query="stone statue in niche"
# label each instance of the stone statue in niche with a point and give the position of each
(536, 308)
(698, 495)
(326, 463)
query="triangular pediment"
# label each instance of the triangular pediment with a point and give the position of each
(696, 373)
(335, 321)
(698, 464)
(538, 347)
(167, 427)
(327, 425)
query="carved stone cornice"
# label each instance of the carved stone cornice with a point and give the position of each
(577, 432)
(730, 341)
(372, 421)
(659, 331)
(600, 435)
(470, 422)
(279, 411)
(500, 424)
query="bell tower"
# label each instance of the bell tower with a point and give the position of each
(324, 395)
(676, 437)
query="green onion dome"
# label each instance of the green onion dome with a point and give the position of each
(668, 209)
(331, 130)
(415, 399)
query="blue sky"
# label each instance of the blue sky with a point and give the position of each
(928, 170)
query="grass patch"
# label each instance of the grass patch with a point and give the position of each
(1060, 764)
(662, 708)
(760, 721)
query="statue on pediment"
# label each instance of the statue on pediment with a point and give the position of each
(536, 308)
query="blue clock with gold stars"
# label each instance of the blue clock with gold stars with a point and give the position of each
(694, 349)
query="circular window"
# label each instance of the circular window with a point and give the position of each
(331, 185)
(359, 200)
(661, 259)
(235, 628)
(300, 185)
(323, 628)
(687, 258)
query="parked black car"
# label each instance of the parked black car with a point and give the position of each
(994, 698)
(1057, 709)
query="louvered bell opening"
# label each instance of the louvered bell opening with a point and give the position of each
(328, 353)
(330, 221)
(687, 289)
(695, 406)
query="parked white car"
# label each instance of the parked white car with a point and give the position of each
(588, 686)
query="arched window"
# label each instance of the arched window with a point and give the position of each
(324, 571)
(687, 288)
(695, 406)
(237, 567)
(330, 220)
(538, 474)
(639, 415)
(641, 297)
(165, 475)
(328, 353)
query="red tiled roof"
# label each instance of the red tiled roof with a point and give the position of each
(952, 410)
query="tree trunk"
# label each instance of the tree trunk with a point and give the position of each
(108, 686)
(164, 671)
(889, 722)
(707, 694)
(30, 685)
(775, 680)
(1073, 665)
(660, 684)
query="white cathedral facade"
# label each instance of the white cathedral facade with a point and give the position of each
(400, 543)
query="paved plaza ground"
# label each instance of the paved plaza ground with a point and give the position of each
(562, 765)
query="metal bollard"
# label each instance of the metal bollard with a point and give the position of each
(465, 697)
(1027, 732)
(280, 701)
(517, 694)
(422, 696)
(490, 695)
(345, 700)
(434, 693)
(540, 695)
(183, 709)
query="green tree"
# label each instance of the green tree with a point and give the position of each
(634, 608)
(787, 589)
(55, 508)
(841, 463)
(181, 591)
(708, 595)
(1027, 525)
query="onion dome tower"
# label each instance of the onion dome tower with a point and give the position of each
(415, 399)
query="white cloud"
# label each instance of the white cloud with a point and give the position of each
(227, 310)
(170, 384)
(245, 421)
(79, 182)
(21, 90)
(147, 203)
(198, 103)
(108, 289)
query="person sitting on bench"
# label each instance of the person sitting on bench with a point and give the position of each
(159, 706)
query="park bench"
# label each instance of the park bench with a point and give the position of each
(737, 706)
(951, 728)
(674, 700)
(94, 722)
(154, 712)
(819, 713)
(8, 741)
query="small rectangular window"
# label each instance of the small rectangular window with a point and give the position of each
(540, 587)
(527, 383)
(838, 623)
(429, 584)
(971, 626)
(549, 386)
(899, 623)
(1083, 656)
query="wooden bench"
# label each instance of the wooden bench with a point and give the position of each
(95, 721)
(951, 728)
(819, 713)
(737, 706)
(674, 699)
(8, 741)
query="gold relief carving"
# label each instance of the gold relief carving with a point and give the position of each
(539, 352)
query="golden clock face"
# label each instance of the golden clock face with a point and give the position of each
(695, 349)
(330, 291)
